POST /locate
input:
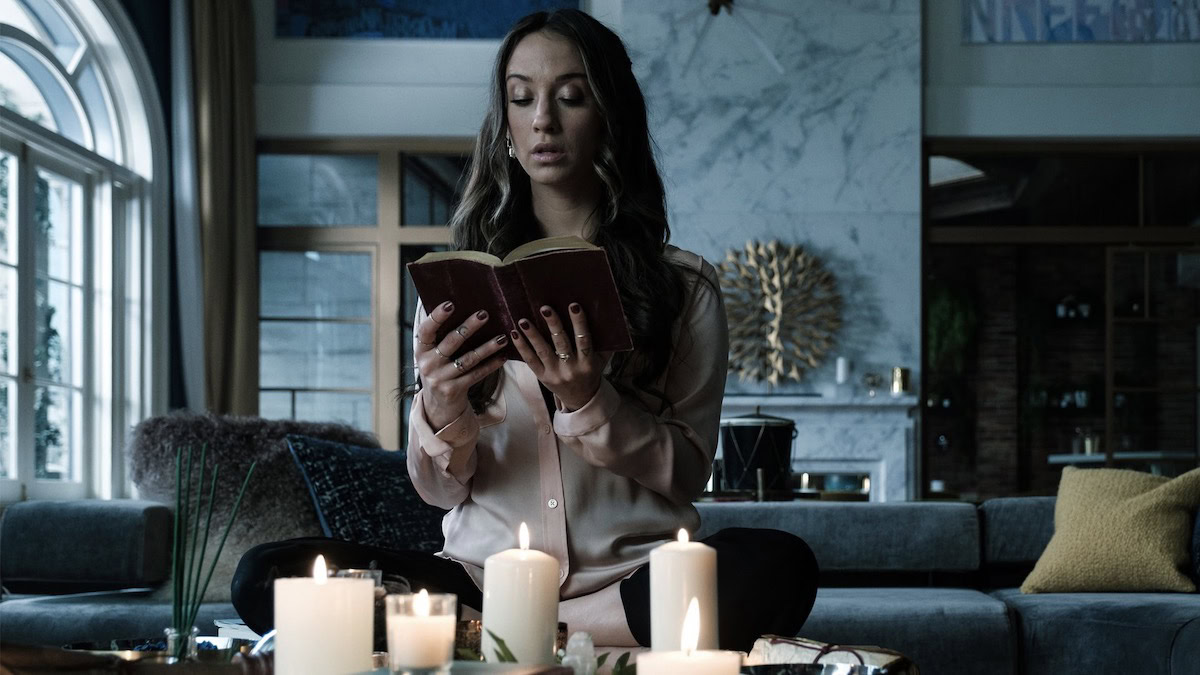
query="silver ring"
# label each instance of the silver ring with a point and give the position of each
(562, 356)
(439, 353)
(458, 364)
(555, 334)
(424, 344)
(580, 335)
(461, 330)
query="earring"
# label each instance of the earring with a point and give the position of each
(512, 153)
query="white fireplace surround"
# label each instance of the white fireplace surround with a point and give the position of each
(854, 434)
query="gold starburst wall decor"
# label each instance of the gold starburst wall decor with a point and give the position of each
(784, 310)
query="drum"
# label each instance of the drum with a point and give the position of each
(753, 442)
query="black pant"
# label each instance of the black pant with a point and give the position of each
(766, 581)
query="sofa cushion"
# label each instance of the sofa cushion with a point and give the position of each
(364, 495)
(943, 630)
(85, 545)
(276, 505)
(116, 615)
(1015, 531)
(854, 536)
(1119, 530)
(1106, 632)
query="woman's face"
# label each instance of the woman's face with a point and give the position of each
(552, 116)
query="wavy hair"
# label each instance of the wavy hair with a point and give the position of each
(496, 212)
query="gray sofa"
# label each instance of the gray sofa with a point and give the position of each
(934, 580)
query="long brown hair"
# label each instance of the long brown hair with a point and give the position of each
(496, 212)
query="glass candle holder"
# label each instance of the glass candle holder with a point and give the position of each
(420, 632)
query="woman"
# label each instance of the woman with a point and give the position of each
(601, 454)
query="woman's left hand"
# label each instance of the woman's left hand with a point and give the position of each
(567, 364)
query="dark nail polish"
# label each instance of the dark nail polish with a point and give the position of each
(501, 339)
(448, 306)
(575, 308)
(515, 335)
(546, 312)
(524, 324)
(481, 315)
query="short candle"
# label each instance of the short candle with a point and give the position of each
(690, 660)
(323, 625)
(420, 631)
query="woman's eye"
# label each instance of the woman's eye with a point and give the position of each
(519, 101)
(572, 100)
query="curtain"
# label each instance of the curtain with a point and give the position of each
(223, 109)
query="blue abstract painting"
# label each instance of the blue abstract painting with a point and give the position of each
(480, 19)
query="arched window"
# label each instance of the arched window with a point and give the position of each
(82, 228)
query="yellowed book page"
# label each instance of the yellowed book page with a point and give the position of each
(539, 246)
(477, 256)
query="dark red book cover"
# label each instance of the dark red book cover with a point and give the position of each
(517, 289)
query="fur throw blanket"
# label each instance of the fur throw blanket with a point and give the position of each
(276, 505)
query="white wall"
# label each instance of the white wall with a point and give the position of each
(1108, 90)
(368, 87)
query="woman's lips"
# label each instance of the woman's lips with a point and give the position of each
(547, 156)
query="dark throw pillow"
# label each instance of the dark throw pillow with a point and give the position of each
(364, 495)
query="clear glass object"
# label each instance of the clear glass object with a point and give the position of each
(420, 632)
(181, 647)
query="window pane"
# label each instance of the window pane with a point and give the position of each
(315, 284)
(318, 190)
(95, 99)
(8, 427)
(54, 457)
(15, 14)
(8, 320)
(275, 405)
(432, 188)
(325, 406)
(19, 94)
(1173, 190)
(57, 342)
(58, 216)
(315, 354)
(408, 310)
(8, 208)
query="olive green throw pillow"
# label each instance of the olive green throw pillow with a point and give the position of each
(1118, 530)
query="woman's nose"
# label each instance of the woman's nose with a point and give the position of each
(543, 117)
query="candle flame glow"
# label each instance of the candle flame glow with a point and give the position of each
(683, 536)
(421, 603)
(320, 573)
(523, 537)
(690, 635)
(866, 485)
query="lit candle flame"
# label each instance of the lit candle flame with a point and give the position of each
(690, 636)
(523, 537)
(683, 536)
(421, 603)
(320, 574)
(866, 485)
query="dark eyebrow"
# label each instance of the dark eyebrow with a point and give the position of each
(560, 78)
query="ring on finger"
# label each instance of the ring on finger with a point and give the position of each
(553, 334)
(461, 330)
(439, 353)
(580, 335)
(563, 356)
(458, 364)
(423, 343)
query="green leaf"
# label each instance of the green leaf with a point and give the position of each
(503, 654)
(464, 654)
(601, 659)
(622, 667)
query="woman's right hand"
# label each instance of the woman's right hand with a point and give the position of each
(446, 374)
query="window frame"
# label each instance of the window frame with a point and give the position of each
(123, 204)
(385, 241)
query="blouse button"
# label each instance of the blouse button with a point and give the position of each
(553, 503)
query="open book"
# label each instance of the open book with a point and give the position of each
(556, 271)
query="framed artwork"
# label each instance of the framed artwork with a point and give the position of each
(439, 19)
(1060, 21)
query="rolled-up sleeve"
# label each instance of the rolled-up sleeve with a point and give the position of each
(670, 452)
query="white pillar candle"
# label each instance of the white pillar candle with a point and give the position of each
(520, 603)
(679, 571)
(842, 370)
(323, 625)
(689, 659)
(417, 637)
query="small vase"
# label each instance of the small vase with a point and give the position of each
(181, 647)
